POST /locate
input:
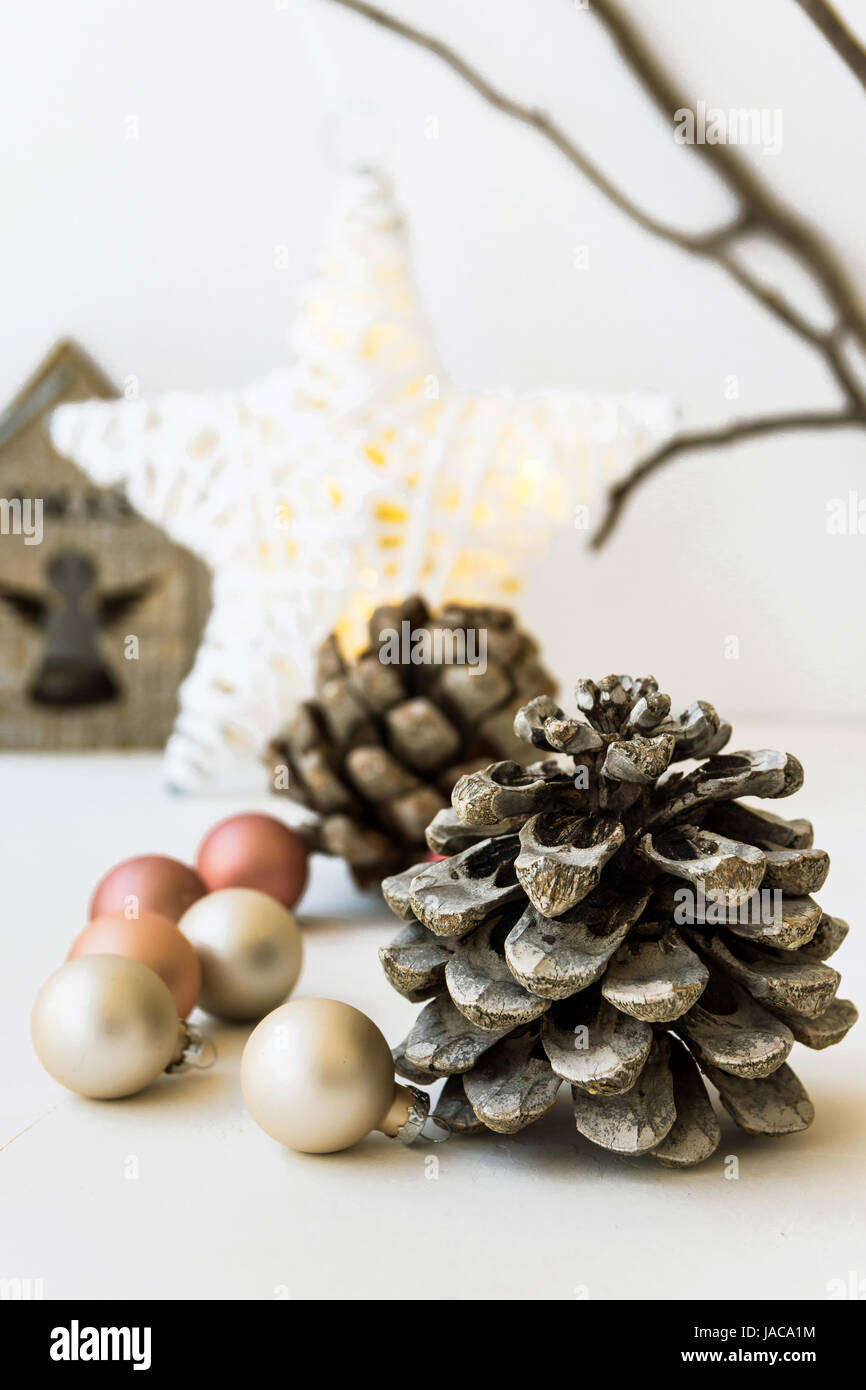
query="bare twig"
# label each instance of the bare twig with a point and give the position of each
(828, 344)
(837, 33)
(699, 440)
(538, 120)
(766, 212)
(760, 212)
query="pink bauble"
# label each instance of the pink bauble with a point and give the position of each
(255, 851)
(152, 940)
(155, 882)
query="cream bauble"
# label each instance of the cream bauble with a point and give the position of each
(105, 1026)
(249, 949)
(317, 1075)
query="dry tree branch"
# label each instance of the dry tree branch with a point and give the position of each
(837, 33)
(761, 208)
(698, 244)
(700, 440)
(760, 212)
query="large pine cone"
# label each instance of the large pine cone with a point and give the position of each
(378, 751)
(602, 924)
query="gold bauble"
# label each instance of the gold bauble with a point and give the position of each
(317, 1075)
(105, 1026)
(249, 949)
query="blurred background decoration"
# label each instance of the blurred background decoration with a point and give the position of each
(832, 325)
(354, 477)
(69, 678)
(185, 265)
(377, 749)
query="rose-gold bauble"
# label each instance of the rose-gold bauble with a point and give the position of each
(158, 883)
(255, 851)
(152, 940)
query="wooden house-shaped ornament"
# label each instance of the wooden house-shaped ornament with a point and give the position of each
(100, 613)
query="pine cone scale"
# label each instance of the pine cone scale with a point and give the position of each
(637, 1120)
(695, 1134)
(558, 956)
(510, 1087)
(618, 1045)
(656, 981)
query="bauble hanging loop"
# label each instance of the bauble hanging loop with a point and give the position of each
(317, 1075)
(198, 1051)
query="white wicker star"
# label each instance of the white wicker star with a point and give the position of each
(357, 475)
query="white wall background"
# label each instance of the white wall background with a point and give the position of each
(157, 253)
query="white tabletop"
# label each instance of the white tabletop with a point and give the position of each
(220, 1211)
